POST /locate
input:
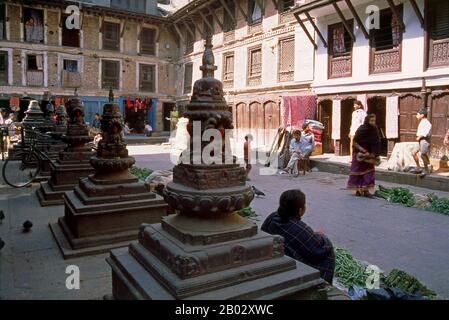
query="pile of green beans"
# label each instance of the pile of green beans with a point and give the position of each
(348, 270)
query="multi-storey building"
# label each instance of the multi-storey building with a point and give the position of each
(396, 66)
(127, 47)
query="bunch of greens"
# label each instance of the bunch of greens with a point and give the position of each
(437, 204)
(348, 270)
(247, 212)
(401, 279)
(396, 195)
(141, 173)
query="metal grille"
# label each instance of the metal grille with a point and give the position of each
(286, 59)
(255, 66)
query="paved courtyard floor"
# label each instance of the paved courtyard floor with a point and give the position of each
(390, 236)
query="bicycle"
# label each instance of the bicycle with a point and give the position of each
(19, 171)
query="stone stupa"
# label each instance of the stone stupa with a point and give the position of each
(105, 210)
(207, 250)
(72, 163)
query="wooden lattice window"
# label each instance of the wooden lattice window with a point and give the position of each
(188, 74)
(110, 74)
(228, 70)
(3, 67)
(286, 63)
(111, 36)
(340, 50)
(228, 23)
(148, 41)
(147, 77)
(254, 66)
(386, 42)
(438, 32)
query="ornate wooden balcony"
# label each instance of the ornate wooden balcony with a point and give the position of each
(439, 53)
(387, 60)
(340, 66)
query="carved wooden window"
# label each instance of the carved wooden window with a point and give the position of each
(111, 36)
(147, 77)
(254, 66)
(254, 12)
(286, 64)
(110, 74)
(33, 25)
(438, 32)
(228, 70)
(386, 43)
(228, 23)
(190, 39)
(3, 67)
(70, 37)
(148, 41)
(188, 74)
(340, 50)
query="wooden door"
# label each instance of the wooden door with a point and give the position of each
(242, 119)
(256, 123)
(271, 119)
(325, 117)
(440, 123)
(347, 106)
(408, 124)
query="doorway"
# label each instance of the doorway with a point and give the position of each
(377, 105)
(325, 117)
(347, 106)
(167, 107)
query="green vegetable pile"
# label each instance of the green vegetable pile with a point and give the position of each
(439, 205)
(348, 270)
(401, 279)
(396, 195)
(141, 173)
(247, 212)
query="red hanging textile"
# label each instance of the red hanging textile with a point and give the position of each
(128, 103)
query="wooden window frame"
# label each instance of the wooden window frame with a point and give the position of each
(148, 49)
(279, 73)
(228, 83)
(250, 21)
(429, 43)
(257, 78)
(188, 89)
(141, 82)
(42, 11)
(107, 42)
(103, 80)
(6, 71)
(373, 51)
(330, 50)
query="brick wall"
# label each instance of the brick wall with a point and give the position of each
(53, 70)
(91, 27)
(52, 28)
(14, 22)
(90, 73)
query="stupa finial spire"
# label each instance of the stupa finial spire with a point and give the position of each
(208, 67)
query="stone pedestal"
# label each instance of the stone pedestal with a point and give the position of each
(105, 210)
(207, 251)
(72, 163)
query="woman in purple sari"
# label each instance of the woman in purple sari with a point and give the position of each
(365, 156)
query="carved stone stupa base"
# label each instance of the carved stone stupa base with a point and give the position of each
(187, 258)
(101, 214)
(105, 210)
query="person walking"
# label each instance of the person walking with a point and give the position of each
(365, 156)
(423, 135)
(357, 118)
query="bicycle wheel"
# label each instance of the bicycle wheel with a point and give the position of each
(20, 171)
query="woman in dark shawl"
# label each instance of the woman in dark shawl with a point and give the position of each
(365, 156)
